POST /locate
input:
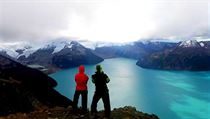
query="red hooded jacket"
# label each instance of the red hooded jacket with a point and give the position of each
(81, 79)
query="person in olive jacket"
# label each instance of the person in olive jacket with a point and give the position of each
(100, 79)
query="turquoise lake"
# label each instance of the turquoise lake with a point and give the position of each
(168, 94)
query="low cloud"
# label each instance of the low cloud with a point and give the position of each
(102, 20)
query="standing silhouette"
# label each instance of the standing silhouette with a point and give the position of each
(81, 80)
(100, 79)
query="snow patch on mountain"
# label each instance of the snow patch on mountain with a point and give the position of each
(202, 44)
(9, 52)
(61, 46)
(9, 49)
(58, 45)
(17, 49)
(28, 52)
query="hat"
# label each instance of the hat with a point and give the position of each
(98, 67)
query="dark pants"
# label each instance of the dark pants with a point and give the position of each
(105, 98)
(84, 99)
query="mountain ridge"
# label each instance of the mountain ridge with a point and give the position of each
(182, 57)
(61, 54)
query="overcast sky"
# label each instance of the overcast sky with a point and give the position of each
(102, 20)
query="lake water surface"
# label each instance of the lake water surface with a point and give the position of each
(168, 94)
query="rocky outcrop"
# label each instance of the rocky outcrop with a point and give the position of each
(23, 89)
(67, 113)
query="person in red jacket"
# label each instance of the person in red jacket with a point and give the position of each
(81, 80)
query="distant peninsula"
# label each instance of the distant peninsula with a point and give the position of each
(188, 55)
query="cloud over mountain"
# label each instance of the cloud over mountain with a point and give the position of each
(102, 20)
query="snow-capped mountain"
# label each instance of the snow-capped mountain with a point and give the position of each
(58, 45)
(61, 54)
(93, 44)
(65, 53)
(7, 51)
(191, 43)
(16, 50)
(188, 55)
(26, 51)
(133, 50)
